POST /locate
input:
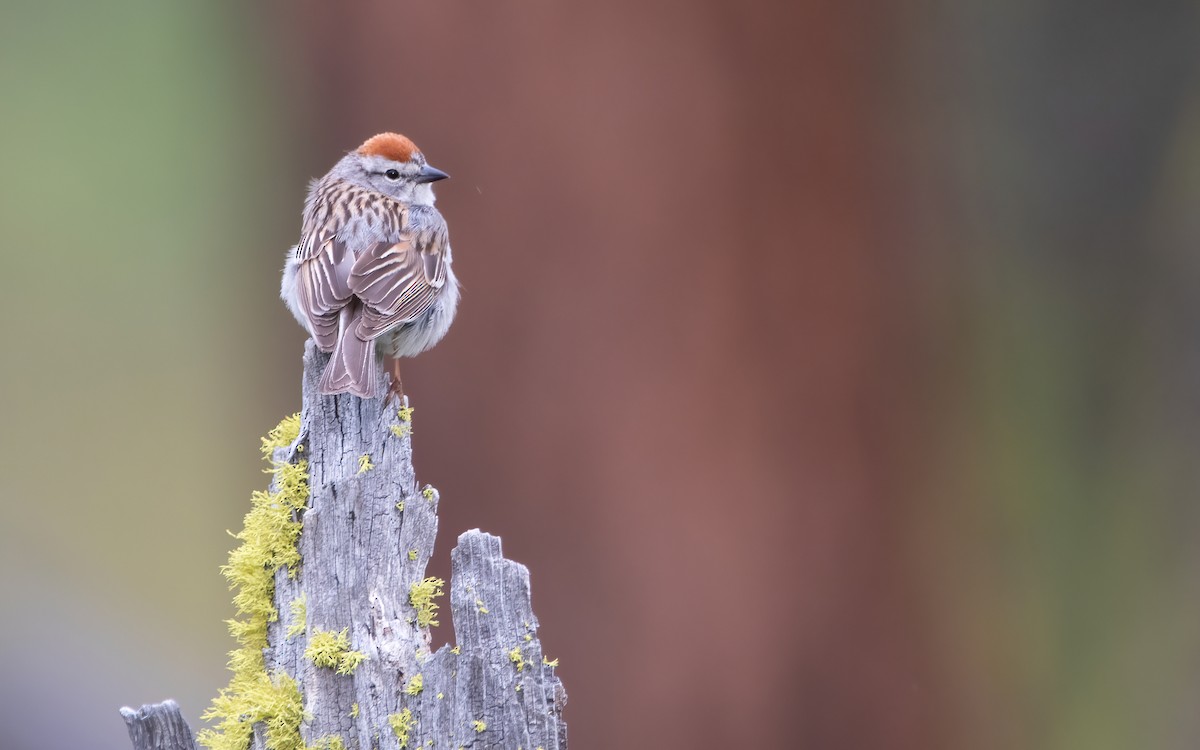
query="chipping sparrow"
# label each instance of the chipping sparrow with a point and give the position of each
(372, 269)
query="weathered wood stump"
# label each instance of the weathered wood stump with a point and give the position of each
(347, 660)
(158, 727)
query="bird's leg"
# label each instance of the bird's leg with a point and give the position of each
(397, 389)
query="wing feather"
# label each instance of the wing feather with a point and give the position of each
(398, 282)
(324, 291)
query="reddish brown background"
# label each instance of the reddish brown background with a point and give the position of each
(831, 365)
(684, 353)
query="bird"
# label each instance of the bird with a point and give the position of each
(372, 270)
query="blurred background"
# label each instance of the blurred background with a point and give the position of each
(832, 365)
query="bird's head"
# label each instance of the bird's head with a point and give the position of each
(391, 164)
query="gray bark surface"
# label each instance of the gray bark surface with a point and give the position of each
(158, 726)
(360, 556)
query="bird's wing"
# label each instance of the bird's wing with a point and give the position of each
(322, 285)
(398, 281)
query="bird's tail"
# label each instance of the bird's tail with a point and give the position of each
(352, 367)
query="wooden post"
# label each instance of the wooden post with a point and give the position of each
(351, 637)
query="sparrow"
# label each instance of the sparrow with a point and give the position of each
(371, 272)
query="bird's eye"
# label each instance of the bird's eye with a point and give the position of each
(392, 174)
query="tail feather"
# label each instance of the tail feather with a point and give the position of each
(351, 368)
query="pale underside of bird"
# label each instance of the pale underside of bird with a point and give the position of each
(372, 272)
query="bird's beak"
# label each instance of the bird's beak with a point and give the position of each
(430, 174)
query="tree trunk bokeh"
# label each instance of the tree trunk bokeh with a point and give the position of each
(685, 256)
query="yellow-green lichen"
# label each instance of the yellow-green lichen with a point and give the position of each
(281, 436)
(268, 543)
(405, 414)
(364, 463)
(429, 493)
(440, 696)
(550, 662)
(401, 430)
(329, 649)
(253, 698)
(329, 742)
(478, 725)
(456, 650)
(400, 506)
(528, 637)
(299, 610)
(412, 554)
(480, 608)
(516, 658)
(401, 724)
(422, 596)
(353, 710)
(415, 685)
